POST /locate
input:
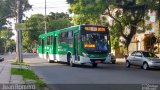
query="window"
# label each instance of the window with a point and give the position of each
(60, 39)
(138, 54)
(49, 40)
(149, 54)
(133, 54)
(65, 37)
(70, 36)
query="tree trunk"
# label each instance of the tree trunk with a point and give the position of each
(130, 36)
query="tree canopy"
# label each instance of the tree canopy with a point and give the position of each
(35, 26)
(127, 14)
(57, 21)
(7, 44)
(8, 9)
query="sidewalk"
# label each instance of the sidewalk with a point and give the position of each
(5, 74)
(120, 60)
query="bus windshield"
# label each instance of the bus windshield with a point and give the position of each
(95, 42)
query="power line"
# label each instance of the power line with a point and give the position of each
(51, 2)
(52, 7)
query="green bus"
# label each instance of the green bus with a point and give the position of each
(83, 44)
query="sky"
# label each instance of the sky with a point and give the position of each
(38, 6)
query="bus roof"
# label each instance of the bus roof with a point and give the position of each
(64, 30)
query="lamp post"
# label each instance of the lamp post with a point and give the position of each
(19, 33)
(45, 26)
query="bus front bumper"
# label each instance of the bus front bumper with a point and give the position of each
(84, 60)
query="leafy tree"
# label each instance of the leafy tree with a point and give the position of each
(6, 35)
(57, 21)
(125, 13)
(34, 27)
(8, 9)
(115, 36)
(11, 45)
(2, 41)
(87, 11)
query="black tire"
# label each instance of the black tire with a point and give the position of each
(113, 62)
(94, 64)
(145, 66)
(51, 61)
(68, 59)
(128, 64)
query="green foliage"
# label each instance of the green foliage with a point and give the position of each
(6, 34)
(58, 24)
(87, 11)
(57, 21)
(125, 13)
(8, 9)
(7, 43)
(2, 42)
(115, 36)
(27, 74)
(34, 27)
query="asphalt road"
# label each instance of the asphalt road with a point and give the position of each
(60, 76)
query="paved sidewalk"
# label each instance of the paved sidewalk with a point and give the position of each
(120, 60)
(5, 74)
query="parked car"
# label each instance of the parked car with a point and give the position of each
(1, 59)
(144, 59)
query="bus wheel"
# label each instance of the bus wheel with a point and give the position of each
(68, 58)
(51, 61)
(94, 64)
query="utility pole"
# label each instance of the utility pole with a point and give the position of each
(45, 27)
(19, 32)
(158, 11)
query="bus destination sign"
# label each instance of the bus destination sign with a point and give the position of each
(99, 29)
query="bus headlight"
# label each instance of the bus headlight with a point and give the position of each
(85, 55)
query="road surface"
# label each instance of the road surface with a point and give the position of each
(60, 76)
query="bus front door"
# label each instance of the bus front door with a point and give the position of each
(55, 47)
(42, 47)
(76, 49)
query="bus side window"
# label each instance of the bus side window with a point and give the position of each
(51, 40)
(48, 40)
(60, 38)
(70, 36)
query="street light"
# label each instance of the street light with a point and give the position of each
(45, 26)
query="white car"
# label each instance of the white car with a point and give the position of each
(144, 59)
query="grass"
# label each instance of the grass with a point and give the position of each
(28, 74)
